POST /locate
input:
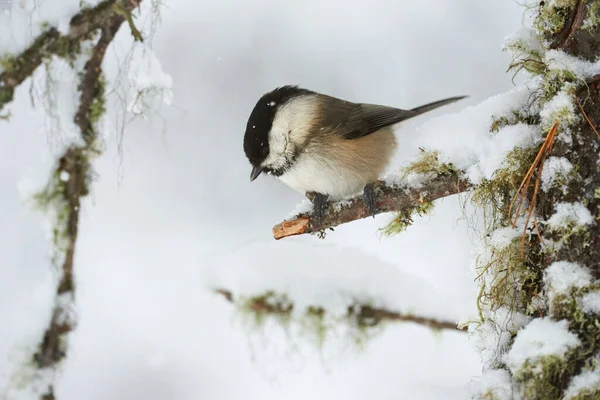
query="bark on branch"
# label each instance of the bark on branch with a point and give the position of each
(575, 40)
(527, 278)
(364, 315)
(106, 18)
(82, 26)
(389, 199)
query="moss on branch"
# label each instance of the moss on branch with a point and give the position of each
(83, 26)
(316, 321)
(71, 178)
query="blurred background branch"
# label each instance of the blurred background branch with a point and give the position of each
(71, 178)
(361, 315)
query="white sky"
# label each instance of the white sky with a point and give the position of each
(184, 215)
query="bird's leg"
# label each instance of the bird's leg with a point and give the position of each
(320, 204)
(370, 199)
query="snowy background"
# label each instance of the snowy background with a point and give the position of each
(172, 212)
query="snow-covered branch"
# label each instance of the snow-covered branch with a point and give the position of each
(361, 315)
(73, 166)
(94, 29)
(390, 198)
(108, 15)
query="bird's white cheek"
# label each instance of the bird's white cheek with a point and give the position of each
(277, 141)
(278, 146)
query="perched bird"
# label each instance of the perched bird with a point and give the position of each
(324, 145)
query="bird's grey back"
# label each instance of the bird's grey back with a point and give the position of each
(355, 120)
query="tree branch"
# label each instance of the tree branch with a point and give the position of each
(363, 315)
(389, 198)
(75, 164)
(82, 26)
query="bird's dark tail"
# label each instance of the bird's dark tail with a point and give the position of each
(431, 106)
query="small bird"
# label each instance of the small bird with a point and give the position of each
(326, 146)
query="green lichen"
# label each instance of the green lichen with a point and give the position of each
(566, 305)
(8, 62)
(568, 233)
(587, 394)
(556, 80)
(507, 277)
(314, 325)
(125, 13)
(67, 49)
(53, 200)
(313, 322)
(540, 379)
(365, 323)
(488, 395)
(585, 326)
(553, 16)
(515, 117)
(98, 106)
(506, 280)
(556, 372)
(573, 235)
(593, 17)
(496, 194)
(267, 305)
(404, 218)
(429, 164)
(561, 180)
(6, 96)
(525, 58)
(510, 277)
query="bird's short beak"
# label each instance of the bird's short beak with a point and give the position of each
(255, 172)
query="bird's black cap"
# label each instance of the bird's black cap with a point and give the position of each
(256, 138)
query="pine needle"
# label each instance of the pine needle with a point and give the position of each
(586, 117)
(521, 194)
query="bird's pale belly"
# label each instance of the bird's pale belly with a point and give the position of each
(341, 168)
(310, 174)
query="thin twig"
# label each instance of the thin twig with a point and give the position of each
(389, 199)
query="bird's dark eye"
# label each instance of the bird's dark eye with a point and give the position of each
(265, 151)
